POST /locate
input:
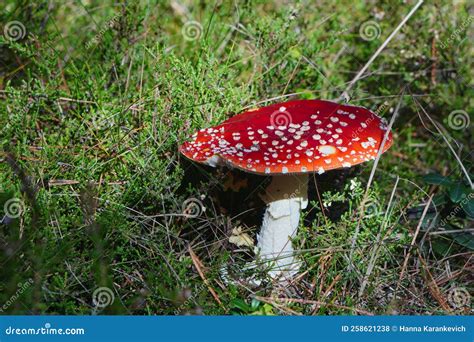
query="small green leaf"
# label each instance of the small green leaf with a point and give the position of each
(240, 304)
(254, 304)
(440, 199)
(456, 191)
(441, 247)
(295, 53)
(465, 239)
(437, 179)
(268, 310)
(468, 205)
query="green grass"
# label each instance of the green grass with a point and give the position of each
(96, 98)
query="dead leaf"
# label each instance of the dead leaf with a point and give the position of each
(240, 238)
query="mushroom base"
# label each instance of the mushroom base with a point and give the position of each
(286, 196)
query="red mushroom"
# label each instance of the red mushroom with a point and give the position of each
(288, 141)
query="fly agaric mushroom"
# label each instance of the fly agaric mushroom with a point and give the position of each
(288, 141)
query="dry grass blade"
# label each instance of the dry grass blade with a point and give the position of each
(378, 242)
(369, 182)
(407, 257)
(345, 94)
(433, 287)
(199, 267)
(437, 125)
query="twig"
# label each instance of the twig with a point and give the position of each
(453, 231)
(199, 266)
(434, 288)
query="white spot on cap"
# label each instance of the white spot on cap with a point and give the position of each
(284, 169)
(346, 164)
(316, 137)
(327, 149)
(320, 170)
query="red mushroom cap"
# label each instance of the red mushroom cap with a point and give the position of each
(292, 137)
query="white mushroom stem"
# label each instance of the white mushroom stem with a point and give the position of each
(286, 196)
